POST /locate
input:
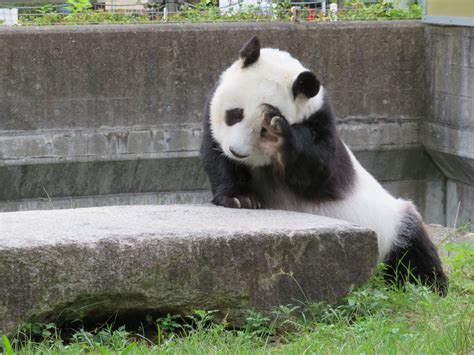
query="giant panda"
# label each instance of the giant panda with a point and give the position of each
(270, 141)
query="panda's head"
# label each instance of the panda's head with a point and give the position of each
(261, 78)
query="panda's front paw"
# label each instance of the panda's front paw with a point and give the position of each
(274, 129)
(242, 201)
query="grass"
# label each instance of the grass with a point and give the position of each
(374, 319)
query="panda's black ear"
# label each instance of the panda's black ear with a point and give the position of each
(307, 84)
(250, 52)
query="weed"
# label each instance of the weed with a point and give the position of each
(7, 346)
(257, 324)
(79, 5)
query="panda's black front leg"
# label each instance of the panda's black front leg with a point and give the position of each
(230, 181)
(303, 164)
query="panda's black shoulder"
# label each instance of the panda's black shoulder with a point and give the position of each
(323, 122)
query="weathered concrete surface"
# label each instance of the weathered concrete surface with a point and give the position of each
(89, 77)
(79, 263)
(148, 198)
(448, 129)
(460, 204)
(97, 178)
(172, 174)
(93, 111)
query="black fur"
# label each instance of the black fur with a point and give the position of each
(307, 84)
(416, 259)
(250, 52)
(234, 116)
(316, 166)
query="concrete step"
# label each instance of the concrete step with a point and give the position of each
(93, 263)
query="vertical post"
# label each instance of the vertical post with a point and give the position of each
(171, 6)
(404, 4)
(9, 16)
(333, 11)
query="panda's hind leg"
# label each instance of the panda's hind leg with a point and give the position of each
(415, 257)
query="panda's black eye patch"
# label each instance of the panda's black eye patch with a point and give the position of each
(234, 116)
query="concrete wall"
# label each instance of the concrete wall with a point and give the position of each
(112, 114)
(448, 128)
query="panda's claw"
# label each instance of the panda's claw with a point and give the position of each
(240, 201)
(276, 124)
(246, 202)
(249, 202)
(237, 202)
(256, 204)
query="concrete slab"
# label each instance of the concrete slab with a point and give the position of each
(62, 265)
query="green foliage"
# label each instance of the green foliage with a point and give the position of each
(200, 319)
(282, 10)
(79, 5)
(7, 348)
(208, 11)
(46, 9)
(168, 325)
(45, 331)
(461, 261)
(382, 10)
(107, 337)
(87, 16)
(257, 324)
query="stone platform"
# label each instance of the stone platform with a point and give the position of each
(62, 265)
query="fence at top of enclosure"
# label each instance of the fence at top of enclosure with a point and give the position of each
(62, 12)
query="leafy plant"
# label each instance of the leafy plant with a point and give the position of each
(46, 9)
(257, 324)
(39, 330)
(168, 325)
(79, 5)
(200, 319)
(382, 10)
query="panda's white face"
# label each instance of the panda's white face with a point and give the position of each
(237, 106)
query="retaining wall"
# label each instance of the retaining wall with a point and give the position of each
(96, 115)
(448, 128)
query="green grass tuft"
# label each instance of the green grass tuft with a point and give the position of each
(7, 348)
